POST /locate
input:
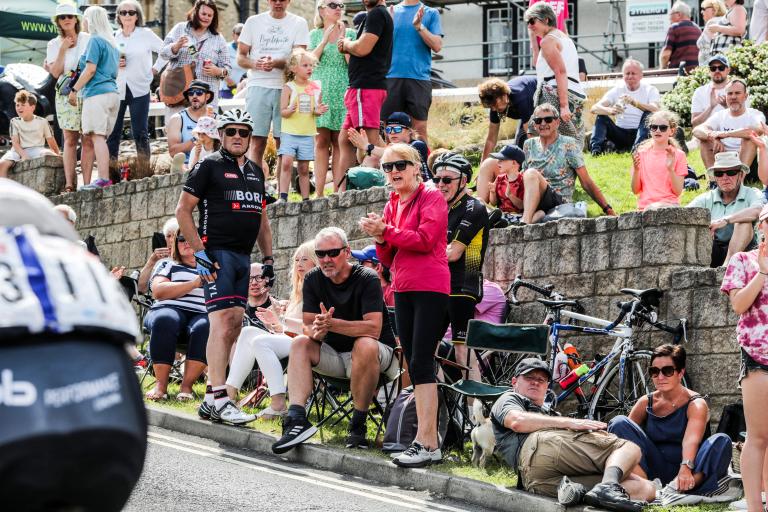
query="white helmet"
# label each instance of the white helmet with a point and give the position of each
(235, 116)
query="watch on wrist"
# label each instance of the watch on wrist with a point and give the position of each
(606, 208)
(688, 463)
(369, 149)
(265, 258)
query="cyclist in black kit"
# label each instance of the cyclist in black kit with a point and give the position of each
(467, 240)
(228, 191)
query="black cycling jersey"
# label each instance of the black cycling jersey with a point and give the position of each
(468, 224)
(231, 201)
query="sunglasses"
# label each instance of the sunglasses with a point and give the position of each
(65, 16)
(393, 129)
(243, 132)
(180, 239)
(334, 5)
(718, 68)
(729, 172)
(667, 371)
(128, 13)
(329, 252)
(546, 119)
(196, 92)
(658, 127)
(445, 180)
(531, 21)
(400, 165)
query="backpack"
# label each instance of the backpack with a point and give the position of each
(361, 178)
(402, 422)
(732, 422)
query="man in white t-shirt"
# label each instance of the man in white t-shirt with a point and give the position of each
(630, 103)
(709, 99)
(730, 129)
(265, 44)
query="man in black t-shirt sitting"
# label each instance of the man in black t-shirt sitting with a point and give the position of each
(346, 335)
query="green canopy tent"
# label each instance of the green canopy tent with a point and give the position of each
(25, 27)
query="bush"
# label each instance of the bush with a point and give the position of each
(749, 62)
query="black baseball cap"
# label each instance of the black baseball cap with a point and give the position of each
(531, 364)
(400, 118)
(510, 152)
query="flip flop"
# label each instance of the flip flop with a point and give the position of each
(185, 397)
(150, 395)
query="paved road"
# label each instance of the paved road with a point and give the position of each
(185, 473)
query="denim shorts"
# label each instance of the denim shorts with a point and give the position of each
(748, 365)
(300, 147)
(230, 289)
(264, 106)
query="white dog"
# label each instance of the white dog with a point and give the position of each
(483, 440)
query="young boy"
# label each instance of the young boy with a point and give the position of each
(506, 191)
(29, 133)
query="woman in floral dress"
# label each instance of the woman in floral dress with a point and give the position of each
(331, 72)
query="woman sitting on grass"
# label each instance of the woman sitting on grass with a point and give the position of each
(268, 348)
(659, 165)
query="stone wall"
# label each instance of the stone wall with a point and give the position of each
(44, 174)
(588, 259)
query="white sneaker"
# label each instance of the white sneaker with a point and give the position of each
(671, 496)
(417, 456)
(742, 504)
(728, 489)
(229, 413)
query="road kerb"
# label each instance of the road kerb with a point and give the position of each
(369, 468)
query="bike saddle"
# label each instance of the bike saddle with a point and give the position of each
(649, 297)
(559, 304)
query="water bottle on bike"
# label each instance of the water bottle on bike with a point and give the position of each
(574, 375)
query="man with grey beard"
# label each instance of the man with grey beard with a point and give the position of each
(346, 335)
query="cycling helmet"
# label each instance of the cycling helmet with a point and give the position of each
(235, 116)
(455, 161)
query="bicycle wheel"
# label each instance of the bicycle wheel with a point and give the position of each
(605, 403)
(498, 368)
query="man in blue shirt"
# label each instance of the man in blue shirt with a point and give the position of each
(417, 34)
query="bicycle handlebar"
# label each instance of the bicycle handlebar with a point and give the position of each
(545, 290)
(631, 307)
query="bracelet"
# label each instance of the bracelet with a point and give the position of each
(265, 258)
(606, 208)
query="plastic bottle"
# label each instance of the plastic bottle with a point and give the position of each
(125, 172)
(561, 366)
(573, 376)
(574, 358)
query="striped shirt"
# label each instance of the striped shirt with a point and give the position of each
(177, 273)
(681, 39)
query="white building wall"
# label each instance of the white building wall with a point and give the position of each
(463, 26)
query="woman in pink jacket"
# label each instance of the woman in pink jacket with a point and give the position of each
(410, 239)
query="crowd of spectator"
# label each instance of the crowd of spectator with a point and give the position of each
(341, 98)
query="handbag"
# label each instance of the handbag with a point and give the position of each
(173, 83)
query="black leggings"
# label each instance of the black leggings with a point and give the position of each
(420, 318)
(461, 309)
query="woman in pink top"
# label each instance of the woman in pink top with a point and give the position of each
(746, 284)
(410, 239)
(660, 166)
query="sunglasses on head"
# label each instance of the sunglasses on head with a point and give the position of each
(545, 119)
(667, 371)
(128, 13)
(334, 5)
(328, 252)
(243, 132)
(400, 165)
(65, 16)
(196, 92)
(658, 127)
(728, 172)
(395, 128)
(445, 180)
(721, 67)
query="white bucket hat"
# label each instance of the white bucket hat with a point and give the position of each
(207, 125)
(726, 160)
(66, 8)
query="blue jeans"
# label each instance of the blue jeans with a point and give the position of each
(623, 138)
(139, 108)
(712, 459)
(169, 326)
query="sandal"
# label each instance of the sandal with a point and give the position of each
(270, 414)
(153, 396)
(185, 397)
(69, 189)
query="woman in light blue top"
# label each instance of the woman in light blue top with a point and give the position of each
(97, 86)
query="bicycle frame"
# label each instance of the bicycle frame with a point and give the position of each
(622, 347)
